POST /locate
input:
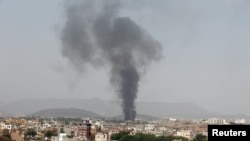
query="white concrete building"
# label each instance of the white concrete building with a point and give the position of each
(173, 119)
(240, 121)
(60, 137)
(6, 126)
(101, 137)
(149, 127)
(217, 121)
(184, 133)
(46, 125)
(162, 128)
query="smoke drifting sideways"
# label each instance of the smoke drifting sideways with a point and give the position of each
(94, 34)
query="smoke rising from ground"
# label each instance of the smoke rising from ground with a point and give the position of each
(94, 34)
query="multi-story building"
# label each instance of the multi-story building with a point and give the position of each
(149, 127)
(46, 125)
(5, 126)
(217, 121)
(112, 131)
(83, 130)
(184, 133)
(101, 137)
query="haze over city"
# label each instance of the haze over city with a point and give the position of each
(205, 54)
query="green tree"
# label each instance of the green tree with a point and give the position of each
(200, 137)
(31, 132)
(62, 130)
(118, 135)
(143, 137)
(49, 134)
(127, 138)
(124, 136)
(181, 138)
(67, 123)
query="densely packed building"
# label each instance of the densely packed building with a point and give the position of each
(24, 129)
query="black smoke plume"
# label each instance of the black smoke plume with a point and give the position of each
(94, 34)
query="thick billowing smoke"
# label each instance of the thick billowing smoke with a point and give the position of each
(95, 34)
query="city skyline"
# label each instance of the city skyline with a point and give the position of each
(205, 54)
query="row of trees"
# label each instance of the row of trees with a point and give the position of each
(31, 134)
(124, 136)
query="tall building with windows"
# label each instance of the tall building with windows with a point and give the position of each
(83, 129)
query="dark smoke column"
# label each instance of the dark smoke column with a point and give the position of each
(130, 79)
(97, 35)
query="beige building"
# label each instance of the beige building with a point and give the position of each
(101, 137)
(17, 136)
(184, 133)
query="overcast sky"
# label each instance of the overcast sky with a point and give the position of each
(205, 44)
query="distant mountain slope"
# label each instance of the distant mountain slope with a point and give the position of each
(3, 112)
(2, 103)
(138, 116)
(159, 109)
(67, 112)
(111, 108)
(29, 106)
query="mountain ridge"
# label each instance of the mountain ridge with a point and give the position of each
(81, 113)
(112, 108)
(67, 113)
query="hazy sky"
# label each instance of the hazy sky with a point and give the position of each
(205, 44)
